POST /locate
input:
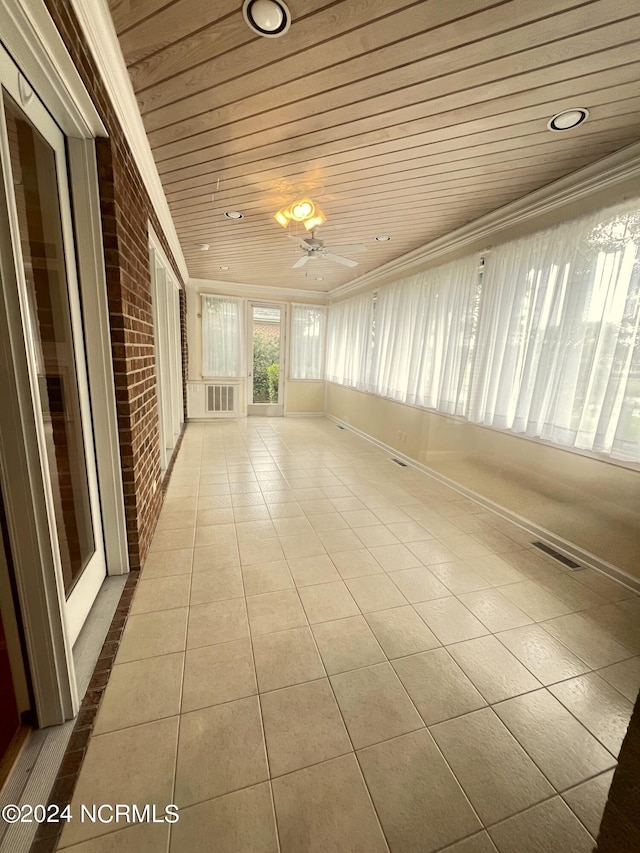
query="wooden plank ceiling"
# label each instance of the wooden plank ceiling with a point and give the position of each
(400, 118)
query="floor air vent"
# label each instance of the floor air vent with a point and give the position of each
(398, 462)
(557, 556)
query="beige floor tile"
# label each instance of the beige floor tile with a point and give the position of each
(466, 546)
(328, 521)
(149, 634)
(217, 622)
(585, 639)
(138, 838)
(438, 687)
(450, 620)
(214, 502)
(588, 800)
(164, 593)
(347, 504)
(548, 826)
(275, 611)
(543, 655)
(374, 704)
(225, 737)
(212, 557)
(400, 631)
(432, 552)
(266, 577)
(283, 508)
(293, 526)
(260, 551)
(141, 691)
(217, 674)
(375, 592)
(493, 669)
(216, 515)
(620, 620)
(216, 585)
(336, 541)
(419, 584)
(608, 588)
(572, 592)
(389, 514)
(248, 531)
(133, 765)
(598, 706)
(395, 557)
(356, 564)
(307, 493)
(535, 601)
(241, 822)
(493, 769)
(561, 747)
(420, 804)
(321, 506)
(495, 570)
(479, 843)
(286, 658)
(301, 545)
(161, 564)
(328, 601)
(216, 534)
(360, 518)
(624, 676)
(326, 809)
(408, 531)
(308, 571)
(347, 644)
(172, 519)
(259, 512)
(302, 726)
(458, 577)
(169, 540)
(494, 610)
(242, 499)
(376, 536)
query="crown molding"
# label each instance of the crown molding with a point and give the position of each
(29, 33)
(97, 26)
(256, 291)
(620, 166)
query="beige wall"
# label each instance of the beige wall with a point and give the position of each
(590, 503)
(304, 397)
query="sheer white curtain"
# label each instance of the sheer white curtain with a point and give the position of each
(222, 336)
(558, 352)
(350, 341)
(308, 324)
(423, 337)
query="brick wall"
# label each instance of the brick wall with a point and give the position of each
(126, 212)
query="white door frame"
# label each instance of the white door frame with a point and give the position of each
(35, 44)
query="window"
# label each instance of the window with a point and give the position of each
(307, 341)
(222, 336)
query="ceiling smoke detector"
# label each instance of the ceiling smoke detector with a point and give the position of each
(268, 18)
(568, 119)
(204, 247)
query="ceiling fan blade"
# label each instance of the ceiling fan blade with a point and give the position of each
(300, 262)
(349, 248)
(344, 261)
(299, 240)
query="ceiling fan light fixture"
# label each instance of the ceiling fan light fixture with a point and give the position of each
(283, 217)
(315, 221)
(268, 18)
(568, 119)
(303, 209)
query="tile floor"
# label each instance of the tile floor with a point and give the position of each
(327, 652)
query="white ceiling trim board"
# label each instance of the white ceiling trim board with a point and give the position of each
(252, 291)
(97, 25)
(623, 165)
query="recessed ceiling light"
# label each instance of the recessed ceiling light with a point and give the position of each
(383, 239)
(568, 119)
(233, 214)
(225, 268)
(319, 278)
(268, 18)
(204, 247)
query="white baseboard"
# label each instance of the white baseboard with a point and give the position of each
(304, 414)
(563, 546)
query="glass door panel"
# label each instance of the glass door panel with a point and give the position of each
(266, 337)
(41, 243)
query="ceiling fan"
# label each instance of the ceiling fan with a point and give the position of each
(315, 249)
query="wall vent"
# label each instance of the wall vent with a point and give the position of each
(556, 555)
(221, 399)
(401, 464)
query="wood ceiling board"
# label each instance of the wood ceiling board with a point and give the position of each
(612, 66)
(260, 52)
(128, 13)
(395, 67)
(615, 132)
(440, 129)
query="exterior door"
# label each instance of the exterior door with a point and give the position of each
(266, 377)
(43, 288)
